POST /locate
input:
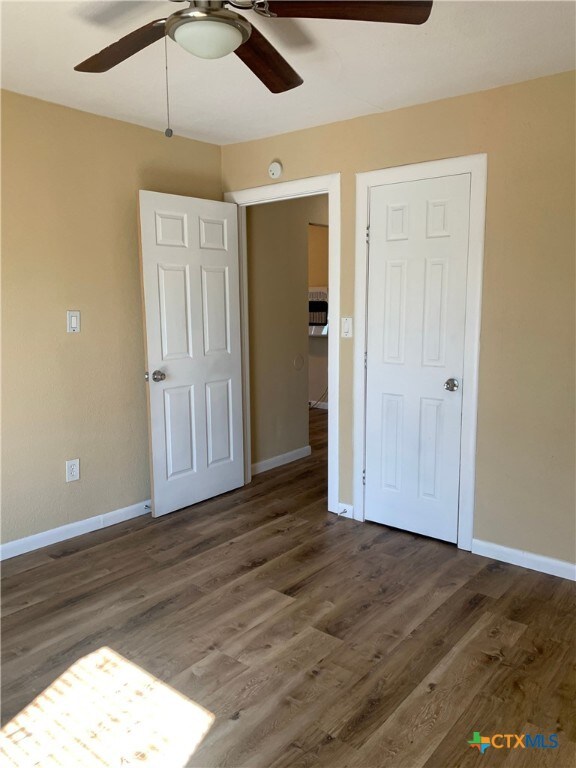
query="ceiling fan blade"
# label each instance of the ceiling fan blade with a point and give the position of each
(395, 12)
(124, 48)
(263, 59)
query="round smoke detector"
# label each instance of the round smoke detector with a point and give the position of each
(275, 169)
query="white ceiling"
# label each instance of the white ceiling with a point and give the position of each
(349, 68)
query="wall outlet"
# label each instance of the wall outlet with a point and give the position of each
(72, 470)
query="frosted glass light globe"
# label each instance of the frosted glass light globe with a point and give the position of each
(208, 39)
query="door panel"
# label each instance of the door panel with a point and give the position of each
(216, 310)
(175, 320)
(415, 342)
(191, 294)
(394, 312)
(180, 430)
(219, 428)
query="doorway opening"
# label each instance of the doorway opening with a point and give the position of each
(288, 333)
(274, 356)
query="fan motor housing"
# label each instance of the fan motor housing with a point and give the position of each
(208, 13)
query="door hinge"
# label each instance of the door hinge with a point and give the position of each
(368, 234)
(363, 477)
(365, 361)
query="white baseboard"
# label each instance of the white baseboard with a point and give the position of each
(320, 404)
(530, 560)
(69, 531)
(278, 461)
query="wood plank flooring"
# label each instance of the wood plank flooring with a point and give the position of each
(315, 640)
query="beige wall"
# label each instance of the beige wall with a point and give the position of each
(525, 457)
(278, 316)
(318, 278)
(69, 241)
(318, 369)
(318, 252)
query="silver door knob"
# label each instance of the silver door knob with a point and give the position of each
(451, 385)
(158, 376)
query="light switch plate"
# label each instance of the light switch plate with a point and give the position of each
(73, 321)
(346, 325)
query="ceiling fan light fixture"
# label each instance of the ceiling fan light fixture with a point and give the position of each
(210, 34)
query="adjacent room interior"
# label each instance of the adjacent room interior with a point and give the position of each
(288, 385)
(287, 257)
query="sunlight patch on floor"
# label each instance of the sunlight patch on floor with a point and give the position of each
(105, 711)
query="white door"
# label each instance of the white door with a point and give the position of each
(415, 353)
(191, 293)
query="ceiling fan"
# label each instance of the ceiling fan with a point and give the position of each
(207, 28)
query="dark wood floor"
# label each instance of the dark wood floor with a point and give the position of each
(316, 641)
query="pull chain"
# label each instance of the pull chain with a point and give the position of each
(168, 132)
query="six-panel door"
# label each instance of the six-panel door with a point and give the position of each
(416, 316)
(191, 294)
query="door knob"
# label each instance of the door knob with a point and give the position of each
(451, 385)
(158, 376)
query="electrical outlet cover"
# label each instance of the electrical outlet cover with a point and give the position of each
(72, 470)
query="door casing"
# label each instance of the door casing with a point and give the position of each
(476, 166)
(318, 185)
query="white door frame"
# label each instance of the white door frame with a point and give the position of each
(476, 166)
(317, 185)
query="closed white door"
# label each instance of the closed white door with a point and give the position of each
(191, 293)
(415, 353)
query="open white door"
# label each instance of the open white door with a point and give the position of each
(189, 251)
(418, 260)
